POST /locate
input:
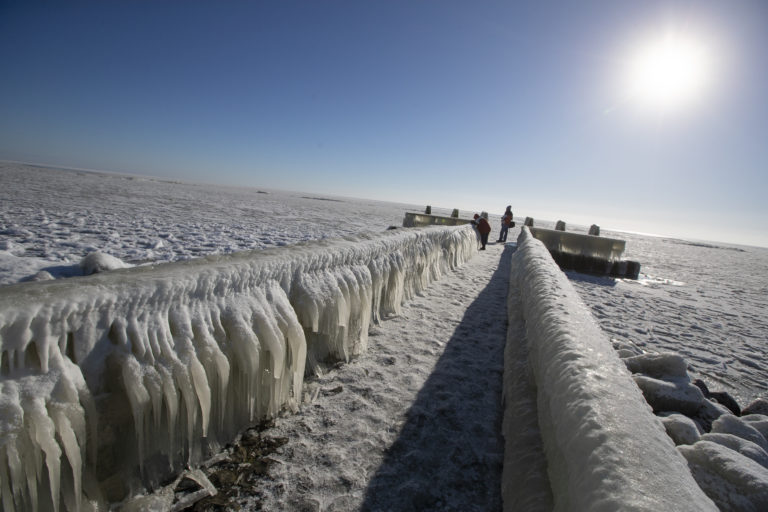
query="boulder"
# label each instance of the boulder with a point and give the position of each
(95, 262)
(759, 421)
(675, 396)
(759, 406)
(744, 447)
(720, 397)
(682, 429)
(734, 482)
(659, 366)
(730, 424)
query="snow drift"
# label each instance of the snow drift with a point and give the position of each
(113, 381)
(604, 448)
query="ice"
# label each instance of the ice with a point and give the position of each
(730, 424)
(196, 350)
(741, 445)
(681, 428)
(733, 481)
(96, 262)
(604, 447)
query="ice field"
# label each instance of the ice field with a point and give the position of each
(400, 291)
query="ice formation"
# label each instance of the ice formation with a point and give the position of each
(605, 449)
(112, 381)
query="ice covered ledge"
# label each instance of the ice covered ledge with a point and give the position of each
(605, 450)
(113, 381)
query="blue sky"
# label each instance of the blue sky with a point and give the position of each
(473, 105)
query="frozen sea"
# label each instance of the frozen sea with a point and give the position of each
(703, 300)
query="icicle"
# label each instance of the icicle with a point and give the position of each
(137, 396)
(71, 449)
(43, 433)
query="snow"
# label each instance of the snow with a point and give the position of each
(415, 410)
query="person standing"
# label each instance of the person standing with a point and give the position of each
(506, 223)
(484, 228)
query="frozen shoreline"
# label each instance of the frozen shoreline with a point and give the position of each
(691, 297)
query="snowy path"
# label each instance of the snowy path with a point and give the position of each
(415, 423)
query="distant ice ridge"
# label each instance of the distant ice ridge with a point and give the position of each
(604, 448)
(112, 381)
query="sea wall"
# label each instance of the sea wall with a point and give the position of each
(114, 381)
(604, 448)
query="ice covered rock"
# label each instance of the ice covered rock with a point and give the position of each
(708, 413)
(720, 397)
(734, 482)
(759, 421)
(682, 429)
(759, 406)
(659, 366)
(741, 445)
(625, 349)
(676, 396)
(95, 262)
(43, 275)
(730, 424)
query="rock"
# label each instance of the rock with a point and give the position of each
(659, 366)
(250, 437)
(759, 406)
(333, 391)
(720, 396)
(734, 482)
(744, 447)
(709, 412)
(759, 421)
(625, 353)
(682, 429)
(727, 400)
(96, 262)
(730, 424)
(670, 396)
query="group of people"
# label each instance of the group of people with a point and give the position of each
(484, 228)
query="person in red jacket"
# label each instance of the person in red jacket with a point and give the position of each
(481, 223)
(506, 223)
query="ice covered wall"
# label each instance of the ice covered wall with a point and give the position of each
(605, 450)
(112, 381)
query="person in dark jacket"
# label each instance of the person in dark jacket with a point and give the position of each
(484, 228)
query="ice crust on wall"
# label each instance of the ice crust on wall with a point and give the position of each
(114, 380)
(605, 449)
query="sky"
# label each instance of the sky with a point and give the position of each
(455, 104)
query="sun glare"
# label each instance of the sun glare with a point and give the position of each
(669, 73)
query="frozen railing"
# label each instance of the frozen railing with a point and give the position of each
(609, 249)
(413, 219)
(113, 381)
(604, 448)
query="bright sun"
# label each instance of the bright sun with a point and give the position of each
(668, 73)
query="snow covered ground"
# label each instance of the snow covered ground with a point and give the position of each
(416, 419)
